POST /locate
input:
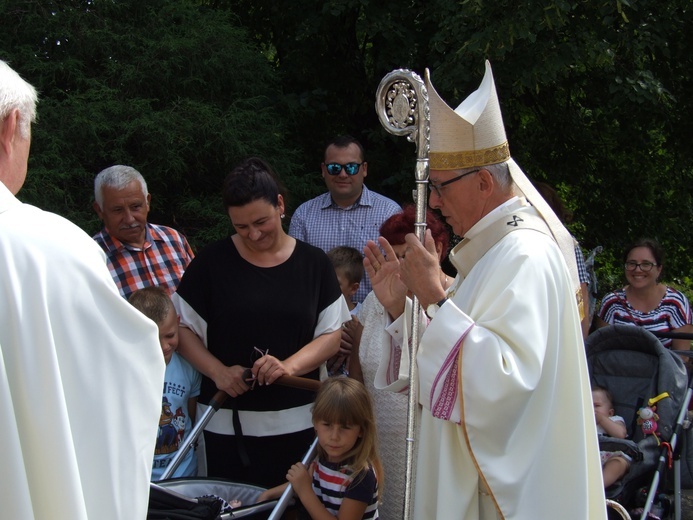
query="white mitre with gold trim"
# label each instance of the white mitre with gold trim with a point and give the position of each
(473, 135)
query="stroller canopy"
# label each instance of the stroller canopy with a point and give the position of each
(632, 363)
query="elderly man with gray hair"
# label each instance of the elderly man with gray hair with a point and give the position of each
(139, 254)
(81, 370)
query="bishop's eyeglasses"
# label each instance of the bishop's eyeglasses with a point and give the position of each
(435, 188)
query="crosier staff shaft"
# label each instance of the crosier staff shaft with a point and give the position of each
(402, 107)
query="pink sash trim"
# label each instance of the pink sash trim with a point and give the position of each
(393, 366)
(445, 385)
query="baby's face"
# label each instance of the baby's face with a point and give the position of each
(601, 404)
(168, 334)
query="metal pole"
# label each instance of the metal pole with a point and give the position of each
(402, 107)
(289, 492)
(214, 405)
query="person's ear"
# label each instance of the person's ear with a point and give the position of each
(8, 130)
(98, 209)
(353, 288)
(364, 167)
(486, 183)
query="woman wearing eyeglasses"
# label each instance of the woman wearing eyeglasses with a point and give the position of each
(645, 302)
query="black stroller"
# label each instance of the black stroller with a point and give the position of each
(210, 498)
(639, 372)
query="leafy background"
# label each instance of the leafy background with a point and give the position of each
(595, 97)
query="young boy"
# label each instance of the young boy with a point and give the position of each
(181, 384)
(615, 464)
(348, 265)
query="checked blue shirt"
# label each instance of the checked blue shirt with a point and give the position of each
(322, 223)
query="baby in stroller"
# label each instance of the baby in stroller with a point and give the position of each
(615, 464)
(639, 373)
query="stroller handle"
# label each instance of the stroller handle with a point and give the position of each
(302, 383)
(299, 382)
(289, 491)
(215, 403)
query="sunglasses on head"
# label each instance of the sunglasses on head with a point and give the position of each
(351, 168)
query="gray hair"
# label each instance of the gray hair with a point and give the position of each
(117, 177)
(501, 174)
(17, 94)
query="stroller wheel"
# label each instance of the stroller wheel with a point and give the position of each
(615, 511)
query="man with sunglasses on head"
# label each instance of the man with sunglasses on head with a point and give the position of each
(349, 214)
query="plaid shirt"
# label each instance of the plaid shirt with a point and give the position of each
(162, 260)
(583, 275)
(324, 224)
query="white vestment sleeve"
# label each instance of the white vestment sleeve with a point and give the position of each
(495, 383)
(393, 370)
(81, 376)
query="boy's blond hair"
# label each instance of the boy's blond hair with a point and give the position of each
(153, 302)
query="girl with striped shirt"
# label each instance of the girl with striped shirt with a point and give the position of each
(346, 479)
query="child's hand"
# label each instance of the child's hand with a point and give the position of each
(601, 418)
(272, 493)
(299, 478)
(351, 325)
(334, 363)
(350, 332)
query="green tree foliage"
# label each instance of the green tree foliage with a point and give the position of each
(332, 56)
(177, 91)
(594, 95)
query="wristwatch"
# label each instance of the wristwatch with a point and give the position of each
(433, 308)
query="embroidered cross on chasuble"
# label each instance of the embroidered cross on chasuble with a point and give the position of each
(442, 395)
(468, 252)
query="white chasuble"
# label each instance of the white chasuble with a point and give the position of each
(507, 427)
(81, 376)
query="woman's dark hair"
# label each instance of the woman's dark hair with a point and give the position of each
(398, 225)
(650, 244)
(554, 201)
(251, 180)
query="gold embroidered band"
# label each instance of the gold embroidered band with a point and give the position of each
(459, 160)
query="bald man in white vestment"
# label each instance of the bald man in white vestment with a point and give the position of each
(506, 426)
(81, 370)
